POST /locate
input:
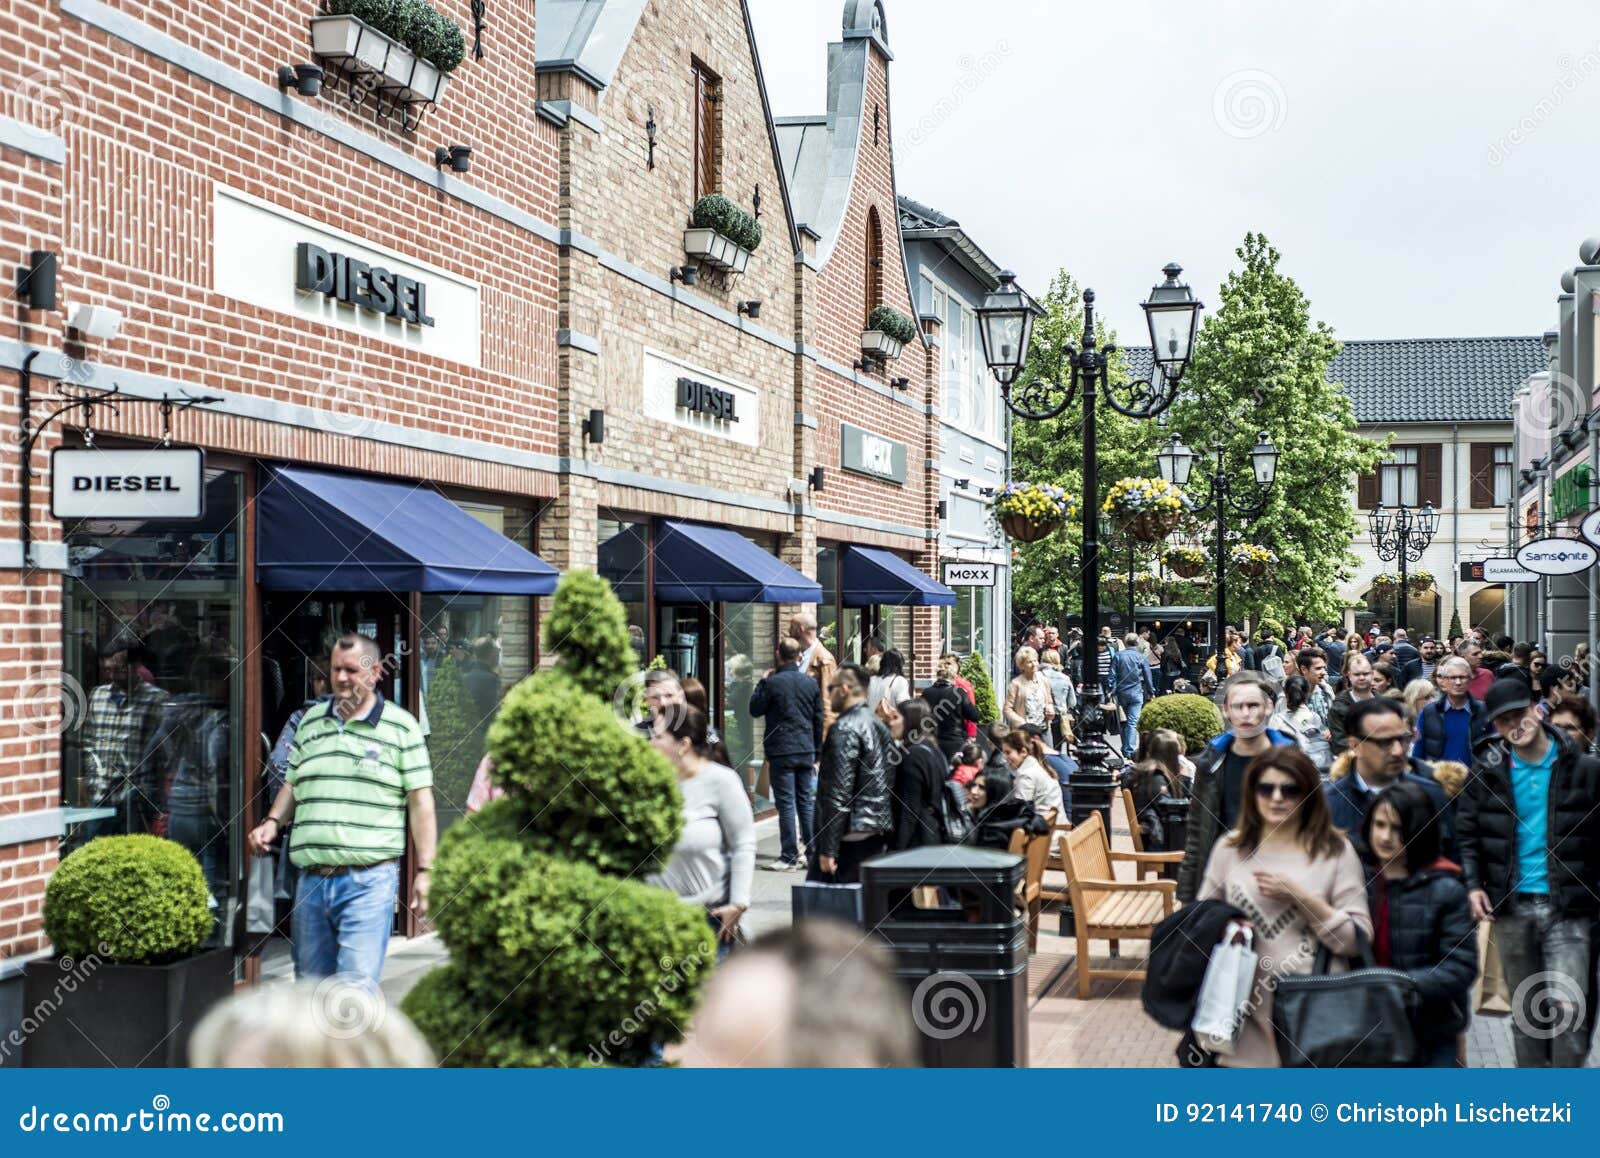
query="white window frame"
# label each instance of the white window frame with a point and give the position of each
(1399, 478)
(1501, 472)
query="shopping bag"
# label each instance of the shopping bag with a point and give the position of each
(1490, 993)
(1224, 1000)
(261, 910)
(818, 899)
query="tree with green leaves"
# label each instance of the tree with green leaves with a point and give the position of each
(976, 672)
(1261, 363)
(1046, 575)
(1455, 622)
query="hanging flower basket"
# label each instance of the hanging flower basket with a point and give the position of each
(1384, 586)
(1421, 582)
(1027, 511)
(1148, 509)
(1185, 562)
(1250, 560)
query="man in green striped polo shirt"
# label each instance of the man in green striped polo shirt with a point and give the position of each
(357, 771)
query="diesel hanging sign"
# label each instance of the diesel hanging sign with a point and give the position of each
(708, 400)
(152, 483)
(356, 283)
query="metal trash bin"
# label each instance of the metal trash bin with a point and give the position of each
(948, 915)
(1174, 814)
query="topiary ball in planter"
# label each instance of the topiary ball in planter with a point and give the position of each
(134, 900)
(890, 321)
(1195, 718)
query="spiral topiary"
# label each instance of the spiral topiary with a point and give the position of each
(1195, 718)
(976, 671)
(560, 954)
(133, 900)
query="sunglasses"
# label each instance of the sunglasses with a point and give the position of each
(1285, 791)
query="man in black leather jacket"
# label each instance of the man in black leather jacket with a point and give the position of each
(854, 814)
(792, 706)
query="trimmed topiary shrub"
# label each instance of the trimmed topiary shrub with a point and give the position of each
(455, 737)
(1455, 623)
(560, 955)
(1195, 718)
(976, 672)
(890, 321)
(714, 211)
(414, 23)
(134, 900)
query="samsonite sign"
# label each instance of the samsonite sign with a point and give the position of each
(149, 483)
(969, 574)
(1557, 556)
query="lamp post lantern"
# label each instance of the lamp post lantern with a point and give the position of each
(1005, 324)
(1402, 534)
(1223, 497)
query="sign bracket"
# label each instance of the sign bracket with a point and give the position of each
(85, 401)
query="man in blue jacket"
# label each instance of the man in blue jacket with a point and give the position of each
(1378, 736)
(1134, 684)
(1452, 726)
(792, 705)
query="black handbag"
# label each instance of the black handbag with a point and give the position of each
(1359, 1019)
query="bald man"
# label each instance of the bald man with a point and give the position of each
(815, 660)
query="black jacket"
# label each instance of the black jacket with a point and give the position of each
(995, 824)
(919, 776)
(1205, 811)
(853, 783)
(1180, 950)
(1403, 653)
(792, 704)
(953, 711)
(1511, 671)
(1338, 713)
(1486, 827)
(1433, 937)
(1430, 725)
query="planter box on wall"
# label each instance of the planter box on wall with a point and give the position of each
(880, 343)
(361, 50)
(715, 250)
(95, 1014)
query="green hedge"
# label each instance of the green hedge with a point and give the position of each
(133, 900)
(714, 211)
(560, 954)
(1195, 718)
(888, 320)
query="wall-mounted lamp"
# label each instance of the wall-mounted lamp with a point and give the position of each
(751, 310)
(943, 509)
(594, 427)
(97, 322)
(818, 477)
(964, 483)
(458, 157)
(900, 383)
(305, 79)
(986, 492)
(36, 281)
(866, 364)
(684, 273)
(1571, 438)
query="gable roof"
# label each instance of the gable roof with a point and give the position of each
(588, 36)
(919, 222)
(1436, 379)
(819, 153)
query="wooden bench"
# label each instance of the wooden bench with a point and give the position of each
(1035, 851)
(1104, 908)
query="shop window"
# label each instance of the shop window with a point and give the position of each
(1487, 610)
(828, 609)
(156, 667)
(624, 563)
(707, 131)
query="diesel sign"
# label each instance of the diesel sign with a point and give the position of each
(707, 400)
(152, 483)
(358, 284)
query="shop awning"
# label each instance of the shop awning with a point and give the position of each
(699, 564)
(322, 531)
(871, 577)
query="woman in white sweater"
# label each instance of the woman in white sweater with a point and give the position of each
(715, 858)
(1035, 783)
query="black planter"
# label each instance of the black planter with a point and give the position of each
(91, 1013)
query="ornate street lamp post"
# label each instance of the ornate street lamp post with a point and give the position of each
(1175, 463)
(1402, 534)
(1005, 324)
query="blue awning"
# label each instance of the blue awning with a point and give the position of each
(322, 531)
(700, 564)
(871, 577)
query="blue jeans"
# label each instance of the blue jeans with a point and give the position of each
(794, 790)
(1133, 706)
(341, 924)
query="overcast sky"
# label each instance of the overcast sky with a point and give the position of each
(1427, 169)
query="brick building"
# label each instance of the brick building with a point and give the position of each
(438, 337)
